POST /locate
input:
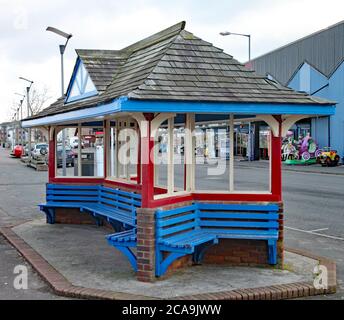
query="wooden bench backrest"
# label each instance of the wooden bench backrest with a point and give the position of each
(71, 193)
(175, 221)
(222, 216)
(238, 216)
(123, 200)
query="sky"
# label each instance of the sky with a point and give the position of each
(27, 50)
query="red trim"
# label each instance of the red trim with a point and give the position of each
(147, 145)
(139, 157)
(170, 200)
(77, 180)
(51, 160)
(135, 187)
(105, 147)
(276, 164)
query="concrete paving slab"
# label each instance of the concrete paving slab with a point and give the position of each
(81, 254)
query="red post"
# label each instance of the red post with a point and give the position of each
(138, 171)
(147, 165)
(276, 164)
(52, 151)
(105, 146)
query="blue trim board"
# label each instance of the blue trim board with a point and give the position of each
(123, 104)
(222, 107)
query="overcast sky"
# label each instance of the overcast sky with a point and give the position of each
(27, 50)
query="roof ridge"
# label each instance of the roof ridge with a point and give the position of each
(157, 37)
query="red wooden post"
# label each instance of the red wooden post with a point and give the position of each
(52, 151)
(105, 146)
(276, 164)
(147, 145)
(138, 171)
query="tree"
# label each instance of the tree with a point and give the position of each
(38, 99)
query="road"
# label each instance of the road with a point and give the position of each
(313, 201)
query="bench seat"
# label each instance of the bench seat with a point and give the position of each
(195, 228)
(118, 207)
(109, 213)
(187, 240)
(124, 241)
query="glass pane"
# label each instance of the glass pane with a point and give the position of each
(66, 152)
(92, 154)
(161, 152)
(212, 158)
(179, 163)
(124, 157)
(252, 141)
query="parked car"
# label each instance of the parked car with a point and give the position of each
(38, 150)
(70, 155)
(328, 157)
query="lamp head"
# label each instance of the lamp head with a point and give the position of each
(59, 32)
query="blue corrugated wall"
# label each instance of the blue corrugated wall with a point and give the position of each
(315, 83)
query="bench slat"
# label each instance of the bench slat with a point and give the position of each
(117, 204)
(73, 187)
(242, 224)
(71, 198)
(179, 219)
(72, 192)
(129, 201)
(163, 214)
(163, 232)
(237, 207)
(237, 215)
(121, 192)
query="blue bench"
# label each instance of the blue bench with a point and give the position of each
(118, 207)
(124, 242)
(193, 229)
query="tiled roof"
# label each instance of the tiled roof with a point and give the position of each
(178, 66)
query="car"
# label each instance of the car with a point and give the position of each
(39, 149)
(70, 155)
(328, 157)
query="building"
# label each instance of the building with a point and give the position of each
(313, 64)
(174, 79)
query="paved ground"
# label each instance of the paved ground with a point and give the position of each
(313, 201)
(107, 269)
(9, 259)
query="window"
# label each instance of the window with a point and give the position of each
(123, 150)
(80, 151)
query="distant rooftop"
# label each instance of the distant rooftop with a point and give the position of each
(324, 50)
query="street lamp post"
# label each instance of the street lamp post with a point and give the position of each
(28, 113)
(227, 33)
(62, 47)
(21, 116)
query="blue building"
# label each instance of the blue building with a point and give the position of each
(313, 64)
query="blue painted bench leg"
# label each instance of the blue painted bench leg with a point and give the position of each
(200, 250)
(130, 255)
(161, 264)
(272, 244)
(116, 225)
(50, 214)
(99, 221)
